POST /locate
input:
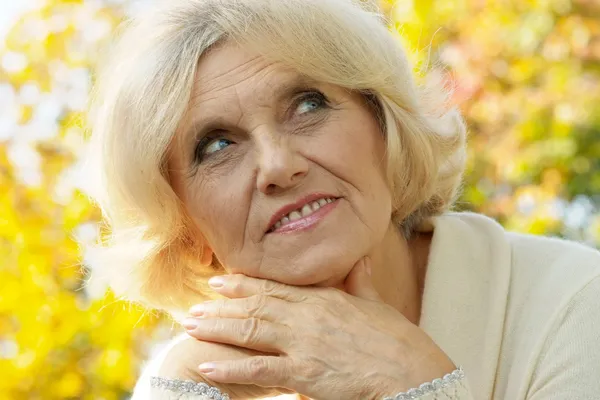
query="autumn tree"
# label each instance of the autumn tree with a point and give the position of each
(527, 78)
(59, 338)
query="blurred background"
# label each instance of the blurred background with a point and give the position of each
(527, 76)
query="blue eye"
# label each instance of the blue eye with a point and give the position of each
(208, 146)
(216, 145)
(311, 102)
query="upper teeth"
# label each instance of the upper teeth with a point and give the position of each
(303, 212)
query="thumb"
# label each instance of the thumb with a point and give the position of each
(359, 283)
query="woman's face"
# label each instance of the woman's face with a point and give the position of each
(283, 176)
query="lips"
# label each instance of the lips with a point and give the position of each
(298, 210)
(305, 211)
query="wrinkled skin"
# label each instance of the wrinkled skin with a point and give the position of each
(261, 137)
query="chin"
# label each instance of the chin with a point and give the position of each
(324, 272)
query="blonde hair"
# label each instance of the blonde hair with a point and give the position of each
(151, 253)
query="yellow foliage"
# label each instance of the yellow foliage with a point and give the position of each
(57, 339)
(526, 77)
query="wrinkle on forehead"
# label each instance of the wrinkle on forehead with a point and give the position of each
(225, 80)
(226, 67)
(229, 78)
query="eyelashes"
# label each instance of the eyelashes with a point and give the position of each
(209, 145)
(314, 99)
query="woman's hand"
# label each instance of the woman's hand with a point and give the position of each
(181, 362)
(323, 343)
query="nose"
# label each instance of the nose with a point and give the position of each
(280, 166)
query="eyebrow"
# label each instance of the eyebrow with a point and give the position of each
(202, 126)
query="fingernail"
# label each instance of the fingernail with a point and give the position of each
(207, 368)
(190, 323)
(369, 271)
(216, 282)
(197, 310)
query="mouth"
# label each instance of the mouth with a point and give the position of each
(302, 215)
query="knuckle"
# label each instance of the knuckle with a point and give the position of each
(255, 305)
(250, 331)
(217, 307)
(257, 367)
(291, 336)
(220, 326)
(270, 287)
(308, 370)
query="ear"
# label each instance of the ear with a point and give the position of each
(206, 255)
(198, 242)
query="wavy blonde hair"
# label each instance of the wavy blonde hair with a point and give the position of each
(150, 254)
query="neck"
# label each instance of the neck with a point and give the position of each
(399, 267)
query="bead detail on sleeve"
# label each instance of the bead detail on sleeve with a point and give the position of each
(180, 386)
(437, 386)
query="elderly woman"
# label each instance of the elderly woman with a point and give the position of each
(282, 149)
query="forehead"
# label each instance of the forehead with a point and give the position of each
(230, 68)
(229, 79)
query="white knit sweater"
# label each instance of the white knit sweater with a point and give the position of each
(519, 313)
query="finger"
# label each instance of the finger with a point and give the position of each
(257, 306)
(359, 282)
(266, 371)
(239, 285)
(251, 333)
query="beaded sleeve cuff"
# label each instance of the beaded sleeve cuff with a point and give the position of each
(198, 389)
(440, 386)
(449, 387)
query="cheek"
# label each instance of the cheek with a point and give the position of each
(217, 204)
(355, 154)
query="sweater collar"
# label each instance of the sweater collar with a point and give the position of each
(465, 294)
